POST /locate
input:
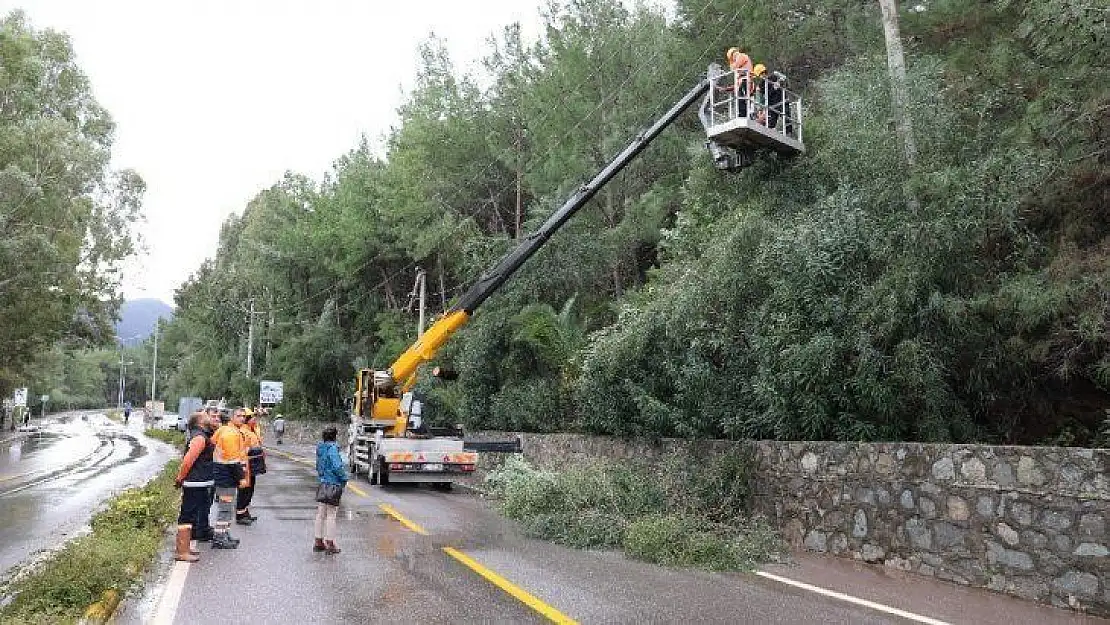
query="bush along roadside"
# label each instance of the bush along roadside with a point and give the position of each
(173, 437)
(100, 566)
(678, 514)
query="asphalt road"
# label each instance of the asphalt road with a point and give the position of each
(52, 481)
(394, 567)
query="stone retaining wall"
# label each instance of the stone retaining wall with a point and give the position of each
(1028, 521)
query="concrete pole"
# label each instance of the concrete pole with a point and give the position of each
(250, 340)
(423, 292)
(154, 368)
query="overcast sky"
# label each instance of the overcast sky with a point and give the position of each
(215, 100)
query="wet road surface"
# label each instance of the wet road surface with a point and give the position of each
(53, 480)
(389, 572)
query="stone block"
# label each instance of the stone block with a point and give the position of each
(884, 464)
(865, 495)
(1003, 474)
(928, 508)
(872, 553)
(907, 499)
(1091, 550)
(859, 527)
(809, 462)
(918, 534)
(1022, 513)
(944, 469)
(958, 508)
(898, 563)
(1058, 520)
(882, 496)
(1077, 583)
(1008, 534)
(816, 541)
(1029, 473)
(838, 544)
(946, 535)
(925, 569)
(973, 470)
(984, 507)
(1061, 543)
(1034, 539)
(1092, 526)
(997, 554)
(1070, 475)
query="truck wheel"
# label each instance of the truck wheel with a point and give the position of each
(383, 474)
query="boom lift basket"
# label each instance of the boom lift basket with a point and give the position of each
(746, 111)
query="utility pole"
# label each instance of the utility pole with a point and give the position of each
(422, 278)
(896, 64)
(154, 368)
(250, 340)
(122, 379)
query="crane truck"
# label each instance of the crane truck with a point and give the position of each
(388, 440)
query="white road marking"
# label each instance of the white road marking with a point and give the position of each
(850, 599)
(171, 596)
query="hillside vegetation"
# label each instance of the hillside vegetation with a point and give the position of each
(803, 298)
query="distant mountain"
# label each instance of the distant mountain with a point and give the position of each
(138, 318)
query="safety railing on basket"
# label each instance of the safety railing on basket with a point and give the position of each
(764, 100)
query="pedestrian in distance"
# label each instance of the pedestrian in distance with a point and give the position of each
(126, 411)
(333, 479)
(229, 471)
(279, 428)
(194, 478)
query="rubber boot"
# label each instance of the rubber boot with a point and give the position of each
(223, 540)
(330, 547)
(242, 518)
(182, 551)
(319, 545)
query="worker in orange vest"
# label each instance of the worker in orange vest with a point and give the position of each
(252, 438)
(741, 65)
(229, 472)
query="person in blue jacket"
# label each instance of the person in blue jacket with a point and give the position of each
(333, 479)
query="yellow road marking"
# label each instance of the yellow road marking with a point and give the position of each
(388, 509)
(358, 491)
(517, 592)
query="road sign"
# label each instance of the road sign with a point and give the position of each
(270, 392)
(44, 398)
(20, 397)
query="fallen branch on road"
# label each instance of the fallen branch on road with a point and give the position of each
(670, 516)
(126, 537)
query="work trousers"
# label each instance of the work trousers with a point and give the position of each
(325, 521)
(225, 507)
(194, 499)
(246, 493)
(203, 523)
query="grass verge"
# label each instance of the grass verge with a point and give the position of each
(125, 538)
(679, 514)
(173, 437)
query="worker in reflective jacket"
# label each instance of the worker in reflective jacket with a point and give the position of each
(741, 65)
(194, 477)
(253, 444)
(229, 472)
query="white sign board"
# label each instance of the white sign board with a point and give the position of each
(270, 392)
(44, 398)
(20, 397)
